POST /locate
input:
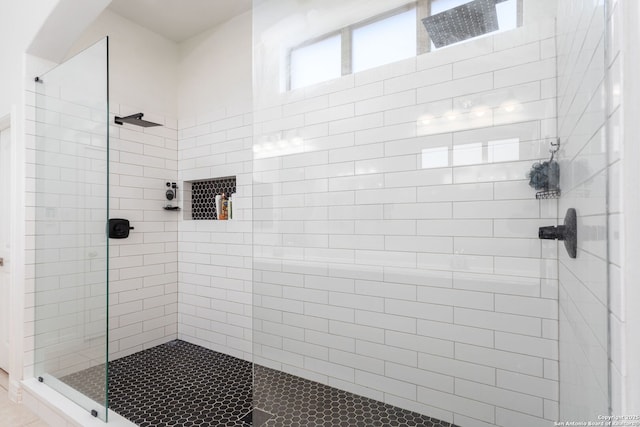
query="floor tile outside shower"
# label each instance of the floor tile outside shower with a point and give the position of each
(13, 414)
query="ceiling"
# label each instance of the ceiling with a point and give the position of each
(179, 20)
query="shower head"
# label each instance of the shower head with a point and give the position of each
(135, 119)
(463, 22)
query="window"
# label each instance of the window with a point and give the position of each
(507, 14)
(316, 62)
(507, 10)
(384, 41)
(438, 6)
(395, 36)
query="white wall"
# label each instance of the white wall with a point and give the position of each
(144, 77)
(426, 288)
(143, 274)
(20, 20)
(143, 65)
(154, 75)
(19, 23)
(215, 257)
(215, 68)
(143, 288)
(143, 268)
(215, 140)
(584, 172)
(66, 164)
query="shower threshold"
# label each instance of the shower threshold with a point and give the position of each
(182, 384)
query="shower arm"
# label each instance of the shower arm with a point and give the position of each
(135, 119)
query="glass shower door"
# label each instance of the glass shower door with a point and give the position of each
(71, 167)
(395, 228)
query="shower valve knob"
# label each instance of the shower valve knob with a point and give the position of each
(551, 233)
(172, 191)
(119, 228)
(568, 233)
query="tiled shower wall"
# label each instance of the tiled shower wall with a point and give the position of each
(143, 269)
(583, 281)
(65, 151)
(215, 257)
(385, 269)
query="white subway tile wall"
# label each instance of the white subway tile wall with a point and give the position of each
(215, 256)
(589, 104)
(384, 235)
(66, 151)
(582, 117)
(143, 268)
(395, 236)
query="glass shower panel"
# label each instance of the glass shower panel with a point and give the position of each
(583, 282)
(71, 247)
(396, 250)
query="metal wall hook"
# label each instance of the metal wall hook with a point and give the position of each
(555, 147)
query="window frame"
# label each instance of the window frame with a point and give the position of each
(309, 43)
(348, 50)
(423, 41)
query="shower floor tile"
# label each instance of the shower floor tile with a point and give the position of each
(180, 384)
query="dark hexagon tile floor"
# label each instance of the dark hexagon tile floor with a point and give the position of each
(179, 384)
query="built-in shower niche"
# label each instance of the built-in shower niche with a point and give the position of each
(200, 197)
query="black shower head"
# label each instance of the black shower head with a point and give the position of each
(135, 119)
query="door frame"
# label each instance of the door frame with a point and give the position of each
(5, 125)
(17, 235)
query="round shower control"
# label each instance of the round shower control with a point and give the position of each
(172, 191)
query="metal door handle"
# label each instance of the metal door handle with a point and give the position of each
(1, 262)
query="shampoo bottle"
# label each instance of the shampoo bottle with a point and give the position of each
(218, 206)
(225, 207)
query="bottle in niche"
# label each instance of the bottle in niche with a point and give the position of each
(218, 199)
(225, 207)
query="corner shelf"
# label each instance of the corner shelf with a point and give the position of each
(548, 194)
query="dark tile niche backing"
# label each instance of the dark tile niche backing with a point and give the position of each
(203, 196)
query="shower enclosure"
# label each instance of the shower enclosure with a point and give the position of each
(70, 196)
(383, 264)
(396, 250)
